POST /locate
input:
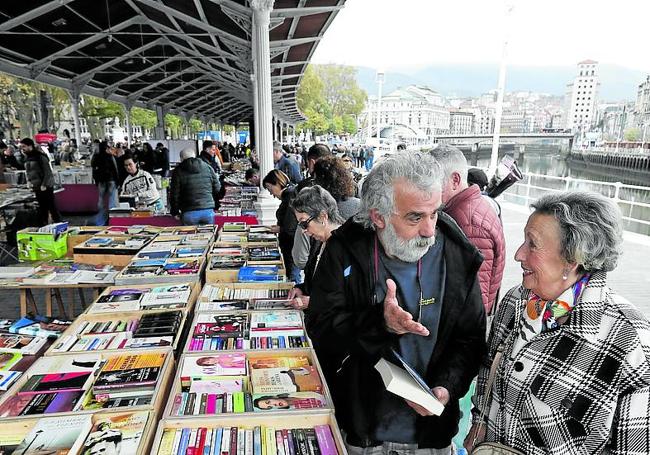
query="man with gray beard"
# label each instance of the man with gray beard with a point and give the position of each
(399, 276)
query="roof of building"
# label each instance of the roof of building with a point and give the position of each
(189, 56)
(587, 62)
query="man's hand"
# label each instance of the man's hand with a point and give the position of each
(398, 320)
(297, 299)
(441, 394)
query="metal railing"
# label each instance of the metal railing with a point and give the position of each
(630, 198)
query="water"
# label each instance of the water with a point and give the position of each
(547, 161)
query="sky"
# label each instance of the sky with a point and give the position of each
(392, 35)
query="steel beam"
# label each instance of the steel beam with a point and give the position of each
(32, 14)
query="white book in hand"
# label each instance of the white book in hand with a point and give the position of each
(399, 381)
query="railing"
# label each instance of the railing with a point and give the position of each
(630, 198)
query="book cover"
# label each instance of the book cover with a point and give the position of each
(275, 319)
(41, 326)
(296, 361)
(408, 385)
(117, 434)
(63, 402)
(285, 380)
(120, 297)
(24, 344)
(55, 382)
(115, 307)
(214, 365)
(9, 359)
(224, 305)
(130, 370)
(325, 440)
(296, 400)
(8, 378)
(218, 386)
(56, 435)
(147, 342)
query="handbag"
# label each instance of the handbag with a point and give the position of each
(492, 448)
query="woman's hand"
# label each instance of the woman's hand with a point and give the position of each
(476, 432)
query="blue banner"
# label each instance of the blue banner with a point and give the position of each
(243, 137)
(209, 135)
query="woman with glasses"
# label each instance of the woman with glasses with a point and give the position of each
(280, 187)
(317, 215)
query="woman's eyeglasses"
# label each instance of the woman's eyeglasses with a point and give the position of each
(305, 224)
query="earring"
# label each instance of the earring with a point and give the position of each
(565, 275)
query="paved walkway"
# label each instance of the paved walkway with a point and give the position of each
(631, 279)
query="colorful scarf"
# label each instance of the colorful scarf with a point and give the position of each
(542, 315)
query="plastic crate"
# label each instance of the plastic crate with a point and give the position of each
(41, 246)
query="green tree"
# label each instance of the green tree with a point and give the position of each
(632, 134)
(174, 124)
(330, 98)
(196, 125)
(144, 118)
(96, 110)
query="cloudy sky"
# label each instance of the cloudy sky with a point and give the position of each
(396, 34)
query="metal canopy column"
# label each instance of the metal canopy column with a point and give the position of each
(75, 96)
(160, 127)
(127, 116)
(262, 56)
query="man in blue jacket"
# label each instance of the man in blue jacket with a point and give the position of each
(285, 164)
(401, 276)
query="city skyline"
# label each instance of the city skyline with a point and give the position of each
(551, 33)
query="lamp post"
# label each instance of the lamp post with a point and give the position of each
(380, 83)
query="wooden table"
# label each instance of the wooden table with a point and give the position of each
(26, 296)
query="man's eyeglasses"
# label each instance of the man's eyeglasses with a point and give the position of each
(305, 224)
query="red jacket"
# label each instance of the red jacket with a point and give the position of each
(479, 221)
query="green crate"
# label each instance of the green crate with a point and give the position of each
(41, 246)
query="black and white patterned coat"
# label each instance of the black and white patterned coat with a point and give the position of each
(583, 388)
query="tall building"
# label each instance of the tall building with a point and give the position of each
(461, 122)
(642, 107)
(581, 97)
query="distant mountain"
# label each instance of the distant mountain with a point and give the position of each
(617, 83)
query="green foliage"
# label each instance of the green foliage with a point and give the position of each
(96, 110)
(144, 118)
(632, 134)
(330, 98)
(174, 124)
(196, 125)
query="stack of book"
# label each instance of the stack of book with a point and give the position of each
(239, 383)
(119, 299)
(236, 440)
(109, 332)
(226, 297)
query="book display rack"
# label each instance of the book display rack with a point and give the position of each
(164, 366)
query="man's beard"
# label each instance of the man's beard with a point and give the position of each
(404, 250)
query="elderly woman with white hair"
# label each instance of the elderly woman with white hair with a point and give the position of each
(568, 369)
(194, 190)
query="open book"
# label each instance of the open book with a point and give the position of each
(405, 382)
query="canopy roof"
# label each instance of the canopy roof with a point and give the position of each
(192, 57)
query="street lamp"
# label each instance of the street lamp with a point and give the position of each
(380, 83)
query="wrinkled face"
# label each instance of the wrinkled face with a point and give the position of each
(313, 227)
(410, 230)
(542, 263)
(130, 166)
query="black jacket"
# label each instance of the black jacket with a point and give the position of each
(343, 321)
(194, 186)
(210, 161)
(38, 170)
(104, 168)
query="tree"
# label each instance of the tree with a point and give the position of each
(96, 110)
(327, 95)
(144, 118)
(632, 134)
(175, 125)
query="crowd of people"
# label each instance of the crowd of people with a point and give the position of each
(414, 265)
(410, 263)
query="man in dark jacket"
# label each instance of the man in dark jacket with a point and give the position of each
(194, 190)
(161, 160)
(400, 277)
(41, 179)
(285, 164)
(106, 176)
(208, 156)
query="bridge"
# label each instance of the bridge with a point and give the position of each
(511, 136)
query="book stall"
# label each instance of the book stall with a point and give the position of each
(160, 363)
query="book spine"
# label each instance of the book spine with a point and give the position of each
(178, 399)
(270, 441)
(216, 444)
(225, 441)
(209, 439)
(248, 448)
(325, 440)
(200, 440)
(185, 441)
(204, 398)
(292, 443)
(257, 441)
(177, 441)
(210, 406)
(241, 441)
(238, 402)
(279, 443)
(191, 446)
(312, 442)
(233, 441)
(285, 441)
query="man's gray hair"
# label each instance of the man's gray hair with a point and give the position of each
(277, 146)
(451, 160)
(188, 153)
(316, 199)
(590, 226)
(416, 168)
